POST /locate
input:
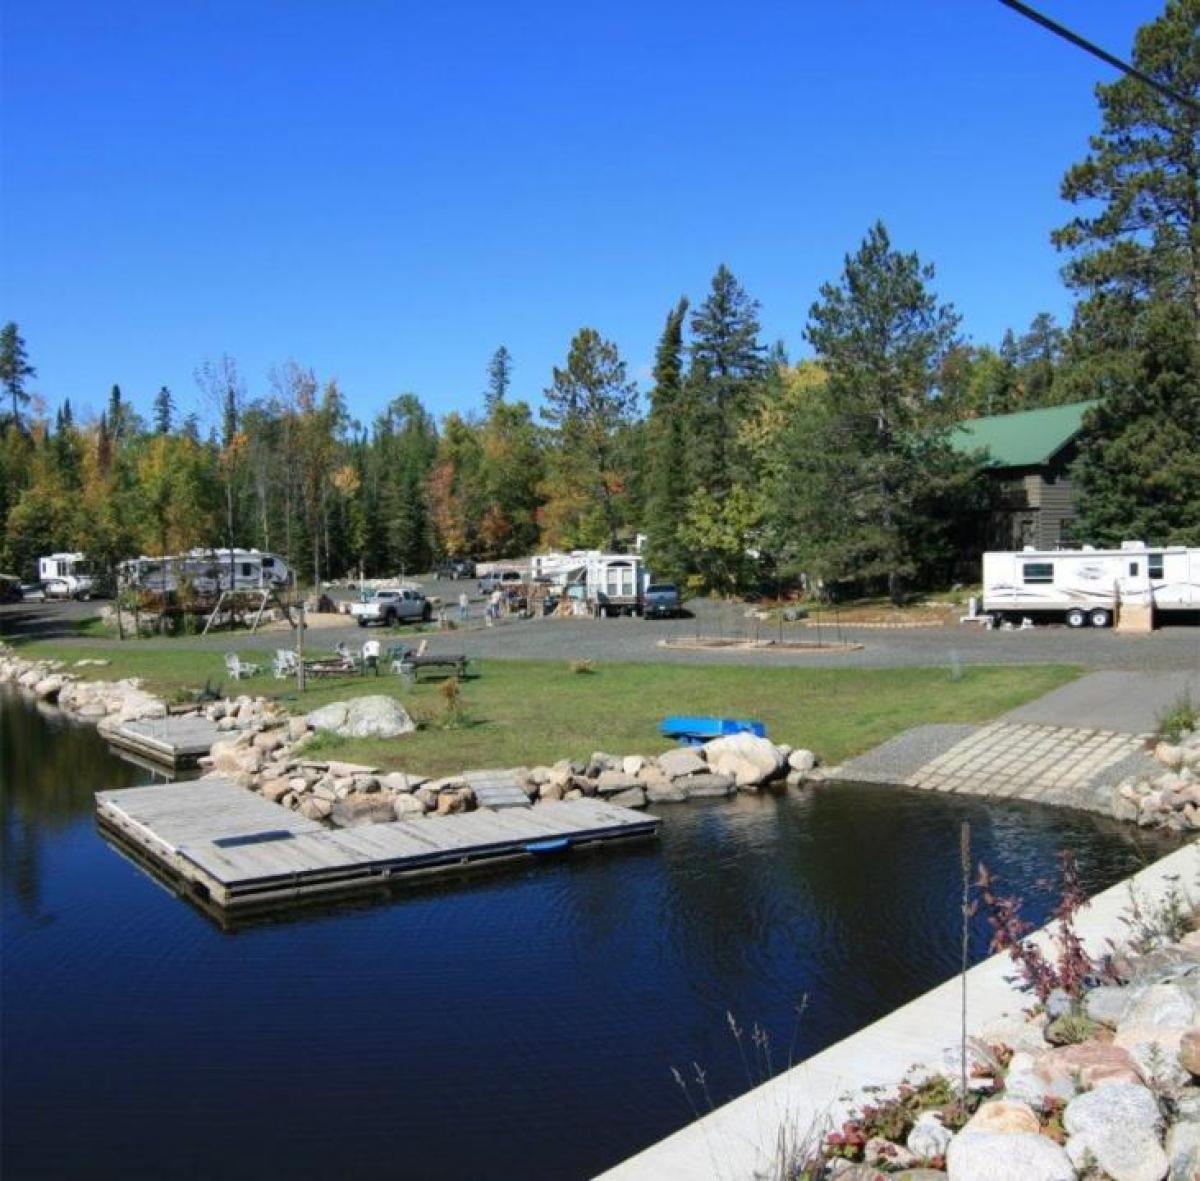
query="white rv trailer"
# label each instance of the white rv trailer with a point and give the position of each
(66, 576)
(612, 584)
(207, 571)
(1086, 586)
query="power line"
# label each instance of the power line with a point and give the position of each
(1095, 50)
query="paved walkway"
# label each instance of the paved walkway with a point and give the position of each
(1130, 702)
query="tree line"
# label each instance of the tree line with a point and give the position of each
(740, 466)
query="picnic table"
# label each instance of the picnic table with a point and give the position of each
(411, 665)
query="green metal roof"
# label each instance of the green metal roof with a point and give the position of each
(1024, 439)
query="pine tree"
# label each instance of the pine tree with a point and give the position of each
(499, 374)
(666, 454)
(1138, 472)
(1138, 237)
(866, 472)
(15, 369)
(164, 411)
(726, 372)
(68, 415)
(116, 413)
(589, 402)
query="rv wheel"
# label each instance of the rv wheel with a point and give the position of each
(1077, 618)
(1100, 618)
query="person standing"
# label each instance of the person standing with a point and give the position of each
(464, 607)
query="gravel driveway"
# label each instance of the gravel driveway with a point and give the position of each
(1171, 648)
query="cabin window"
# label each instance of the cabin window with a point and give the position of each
(1155, 562)
(268, 563)
(1038, 572)
(245, 569)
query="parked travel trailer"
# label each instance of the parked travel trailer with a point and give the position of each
(1088, 586)
(207, 571)
(611, 584)
(66, 576)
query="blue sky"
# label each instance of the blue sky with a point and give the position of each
(387, 191)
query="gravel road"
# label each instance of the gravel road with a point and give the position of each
(1171, 648)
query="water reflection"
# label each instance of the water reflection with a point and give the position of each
(50, 768)
(539, 1008)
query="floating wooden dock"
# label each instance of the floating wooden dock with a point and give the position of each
(233, 849)
(173, 742)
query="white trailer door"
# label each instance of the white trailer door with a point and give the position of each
(1133, 584)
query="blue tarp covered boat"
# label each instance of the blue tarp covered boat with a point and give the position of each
(695, 731)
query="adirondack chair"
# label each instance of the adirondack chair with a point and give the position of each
(238, 668)
(286, 665)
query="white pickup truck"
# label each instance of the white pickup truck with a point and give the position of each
(393, 606)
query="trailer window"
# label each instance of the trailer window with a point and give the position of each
(1156, 565)
(1038, 572)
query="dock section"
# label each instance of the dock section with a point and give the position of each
(170, 742)
(238, 851)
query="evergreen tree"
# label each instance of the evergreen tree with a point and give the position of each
(666, 454)
(1137, 238)
(15, 369)
(1138, 471)
(1040, 353)
(164, 411)
(726, 373)
(588, 404)
(116, 413)
(499, 374)
(191, 427)
(867, 470)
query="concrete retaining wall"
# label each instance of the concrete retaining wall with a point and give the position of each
(738, 1140)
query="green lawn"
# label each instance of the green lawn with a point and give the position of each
(523, 712)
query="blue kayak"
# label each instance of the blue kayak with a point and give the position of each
(697, 731)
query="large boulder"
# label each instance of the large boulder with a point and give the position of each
(751, 760)
(331, 717)
(1117, 1127)
(376, 716)
(1007, 1156)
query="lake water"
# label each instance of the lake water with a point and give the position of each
(521, 1024)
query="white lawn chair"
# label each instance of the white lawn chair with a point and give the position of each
(286, 664)
(370, 656)
(238, 668)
